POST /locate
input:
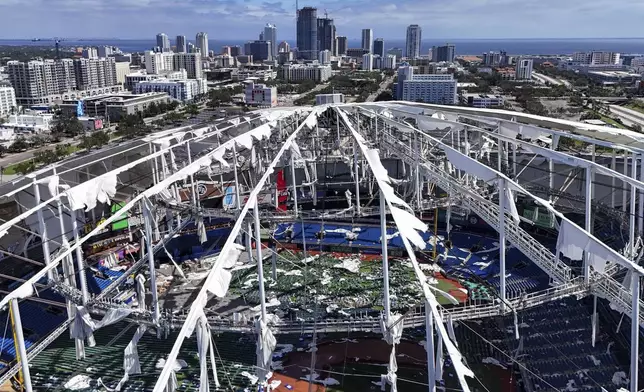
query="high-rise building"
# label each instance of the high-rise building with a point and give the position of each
(367, 40)
(342, 45)
(389, 62)
(181, 44)
(270, 35)
(379, 47)
(413, 41)
(443, 53)
(191, 62)
(324, 57)
(367, 62)
(95, 73)
(398, 52)
(436, 88)
(523, 69)
(202, 43)
(90, 53)
(105, 51)
(283, 47)
(326, 35)
(260, 50)
(34, 81)
(307, 33)
(7, 100)
(163, 42)
(157, 62)
(235, 51)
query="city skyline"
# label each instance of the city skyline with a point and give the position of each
(460, 19)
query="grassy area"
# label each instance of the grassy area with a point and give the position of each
(11, 169)
(612, 122)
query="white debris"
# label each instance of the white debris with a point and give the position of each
(326, 278)
(271, 303)
(351, 265)
(619, 378)
(596, 361)
(331, 308)
(282, 349)
(78, 382)
(310, 259)
(570, 387)
(329, 381)
(274, 384)
(253, 379)
(493, 361)
(294, 273)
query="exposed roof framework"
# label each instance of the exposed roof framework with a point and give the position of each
(450, 147)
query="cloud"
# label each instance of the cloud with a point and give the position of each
(241, 19)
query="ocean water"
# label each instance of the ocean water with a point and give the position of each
(512, 46)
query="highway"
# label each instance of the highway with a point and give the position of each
(628, 116)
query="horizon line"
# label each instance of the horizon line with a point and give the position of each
(357, 38)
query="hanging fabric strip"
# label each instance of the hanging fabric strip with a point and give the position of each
(439, 358)
(140, 290)
(131, 363)
(450, 329)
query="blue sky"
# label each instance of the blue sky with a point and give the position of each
(243, 19)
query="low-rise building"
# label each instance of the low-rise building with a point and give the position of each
(323, 99)
(481, 100)
(7, 100)
(615, 77)
(299, 72)
(183, 90)
(259, 95)
(30, 122)
(113, 106)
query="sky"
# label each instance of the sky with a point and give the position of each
(243, 19)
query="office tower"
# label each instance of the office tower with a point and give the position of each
(270, 35)
(412, 43)
(367, 62)
(225, 50)
(163, 42)
(191, 62)
(181, 44)
(307, 33)
(261, 36)
(326, 35)
(492, 58)
(443, 53)
(90, 53)
(284, 47)
(367, 40)
(260, 50)
(95, 73)
(325, 57)
(202, 43)
(105, 51)
(235, 51)
(379, 47)
(523, 69)
(342, 45)
(389, 62)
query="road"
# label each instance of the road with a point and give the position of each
(10, 159)
(628, 116)
(383, 87)
(288, 99)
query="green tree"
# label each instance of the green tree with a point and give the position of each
(192, 109)
(153, 109)
(45, 157)
(132, 126)
(25, 167)
(69, 125)
(3, 150)
(20, 144)
(100, 138)
(62, 150)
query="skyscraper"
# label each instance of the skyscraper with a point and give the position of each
(379, 47)
(342, 45)
(307, 33)
(163, 42)
(326, 35)
(202, 43)
(367, 40)
(412, 46)
(181, 44)
(443, 53)
(270, 35)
